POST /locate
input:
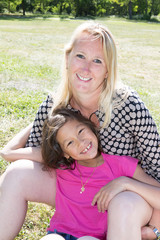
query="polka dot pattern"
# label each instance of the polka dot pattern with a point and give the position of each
(132, 131)
(34, 139)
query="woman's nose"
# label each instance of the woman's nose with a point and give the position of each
(86, 66)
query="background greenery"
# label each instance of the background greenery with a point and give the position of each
(142, 9)
(31, 51)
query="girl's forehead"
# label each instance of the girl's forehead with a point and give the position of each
(73, 123)
(68, 130)
(70, 126)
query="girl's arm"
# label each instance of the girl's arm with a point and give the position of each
(15, 148)
(141, 183)
(145, 186)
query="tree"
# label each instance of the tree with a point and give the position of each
(24, 3)
(128, 4)
(11, 5)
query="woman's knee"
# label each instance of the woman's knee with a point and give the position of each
(130, 206)
(30, 182)
(11, 175)
(16, 173)
(123, 201)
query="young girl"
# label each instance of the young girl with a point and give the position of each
(89, 180)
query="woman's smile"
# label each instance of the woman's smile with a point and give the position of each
(85, 79)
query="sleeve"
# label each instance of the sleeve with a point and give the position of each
(128, 166)
(147, 138)
(35, 136)
(121, 165)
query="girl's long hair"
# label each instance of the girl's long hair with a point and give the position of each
(51, 151)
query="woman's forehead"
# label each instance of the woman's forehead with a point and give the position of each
(85, 37)
(85, 41)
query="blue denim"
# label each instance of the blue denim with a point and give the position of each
(64, 235)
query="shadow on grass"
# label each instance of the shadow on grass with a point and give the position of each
(30, 17)
(19, 17)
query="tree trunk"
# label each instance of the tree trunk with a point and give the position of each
(130, 9)
(9, 6)
(146, 7)
(77, 6)
(24, 7)
(152, 7)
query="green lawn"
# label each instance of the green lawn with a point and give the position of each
(30, 66)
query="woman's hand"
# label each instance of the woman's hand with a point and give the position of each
(15, 148)
(30, 153)
(106, 193)
(147, 232)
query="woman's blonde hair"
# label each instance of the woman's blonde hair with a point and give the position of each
(97, 31)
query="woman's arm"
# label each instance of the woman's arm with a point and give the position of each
(146, 138)
(145, 186)
(141, 183)
(15, 148)
(26, 144)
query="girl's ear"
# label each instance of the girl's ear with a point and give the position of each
(66, 155)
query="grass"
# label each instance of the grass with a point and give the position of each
(31, 50)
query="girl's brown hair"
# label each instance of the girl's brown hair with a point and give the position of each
(51, 151)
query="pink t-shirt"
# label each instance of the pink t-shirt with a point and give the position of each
(74, 213)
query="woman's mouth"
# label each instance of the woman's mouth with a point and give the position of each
(87, 148)
(85, 79)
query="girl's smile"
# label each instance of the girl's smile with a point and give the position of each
(87, 148)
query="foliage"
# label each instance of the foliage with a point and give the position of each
(83, 8)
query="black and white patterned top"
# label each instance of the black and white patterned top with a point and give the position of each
(132, 131)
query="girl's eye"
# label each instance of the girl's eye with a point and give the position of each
(97, 61)
(69, 143)
(80, 56)
(81, 130)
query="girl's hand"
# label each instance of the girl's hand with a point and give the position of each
(109, 191)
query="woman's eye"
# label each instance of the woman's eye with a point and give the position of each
(80, 56)
(97, 61)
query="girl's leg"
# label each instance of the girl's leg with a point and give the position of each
(58, 237)
(53, 236)
(127, 213)
(87, 238)
(23, 181)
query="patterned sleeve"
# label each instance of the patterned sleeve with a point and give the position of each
(34, 139)
(146, 136)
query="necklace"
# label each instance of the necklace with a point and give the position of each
(84, 184)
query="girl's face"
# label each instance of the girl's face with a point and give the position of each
(77, 141)
(86, 65)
